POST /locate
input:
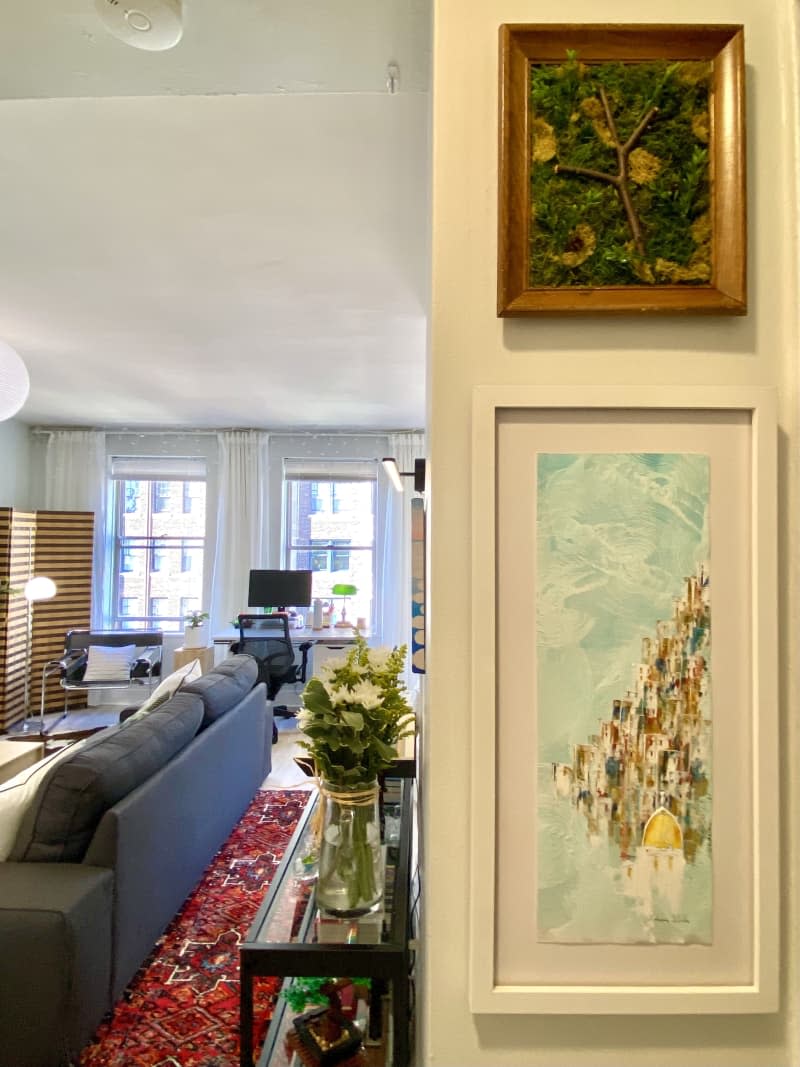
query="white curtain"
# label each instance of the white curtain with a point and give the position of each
(76, 480)
(242, 541)
(395, 624)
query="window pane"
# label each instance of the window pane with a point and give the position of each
(159, 552)
(323, 518)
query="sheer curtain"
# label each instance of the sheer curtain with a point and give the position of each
(395, 628)
(242, 540)
(76, 480)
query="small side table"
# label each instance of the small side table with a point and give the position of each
(15, 756)
(181, 656)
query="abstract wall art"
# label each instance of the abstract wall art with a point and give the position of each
(624, 817)
(624, 772)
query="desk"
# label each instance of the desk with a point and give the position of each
(329, 635)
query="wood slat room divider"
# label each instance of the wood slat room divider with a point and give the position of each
(58, 545)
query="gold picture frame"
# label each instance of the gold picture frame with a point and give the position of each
(722, 289)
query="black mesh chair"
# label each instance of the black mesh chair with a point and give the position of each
(267, 639)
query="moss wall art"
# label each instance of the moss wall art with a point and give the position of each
(619, 173)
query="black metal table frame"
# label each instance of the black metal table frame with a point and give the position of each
(389, 961)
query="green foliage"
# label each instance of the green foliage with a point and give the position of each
(196, 618)
(565, 102)
(304, 991)
(354, 714)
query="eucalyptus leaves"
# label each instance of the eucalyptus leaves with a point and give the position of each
(354, 713)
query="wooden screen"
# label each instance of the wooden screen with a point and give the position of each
(57, 545)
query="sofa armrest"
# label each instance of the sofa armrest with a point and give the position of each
(55, 959)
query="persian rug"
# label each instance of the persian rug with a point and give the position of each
(182, 1006)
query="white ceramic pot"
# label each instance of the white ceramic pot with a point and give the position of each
(195, 637)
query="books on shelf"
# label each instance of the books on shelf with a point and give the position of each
(366, 930)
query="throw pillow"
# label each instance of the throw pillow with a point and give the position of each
(106, 663)
(167, 688)
(17, 794)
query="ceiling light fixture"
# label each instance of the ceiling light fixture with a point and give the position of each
(394, 475)
(14, 382)
(153, 25)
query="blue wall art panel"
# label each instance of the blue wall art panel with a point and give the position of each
(623, 646)
(418, 585)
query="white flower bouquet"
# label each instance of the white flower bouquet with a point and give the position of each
(354, 713)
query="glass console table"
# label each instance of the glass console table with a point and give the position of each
(288, 938)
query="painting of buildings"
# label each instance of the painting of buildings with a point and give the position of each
(623, 699)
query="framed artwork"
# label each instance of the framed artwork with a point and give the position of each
(622, 169)
(625, 800)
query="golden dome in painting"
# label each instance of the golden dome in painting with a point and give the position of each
(662, 831)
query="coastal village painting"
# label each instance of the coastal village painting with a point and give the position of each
(624, 722)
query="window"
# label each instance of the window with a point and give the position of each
(158, 605)
(193, 496)
(161, 495)
(189, 603)
(330, 528)
(131, 496)
(159, 546)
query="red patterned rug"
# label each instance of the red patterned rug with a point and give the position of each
(182, 1006)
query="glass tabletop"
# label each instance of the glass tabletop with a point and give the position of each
(289, 914)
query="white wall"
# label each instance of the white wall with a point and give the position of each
(15, 465)
(470, 345)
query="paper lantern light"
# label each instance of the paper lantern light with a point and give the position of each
(14, 382)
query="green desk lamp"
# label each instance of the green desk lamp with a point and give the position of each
(344, 590)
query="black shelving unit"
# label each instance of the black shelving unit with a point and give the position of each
(282, 939)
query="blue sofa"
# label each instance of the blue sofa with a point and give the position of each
(120, 834)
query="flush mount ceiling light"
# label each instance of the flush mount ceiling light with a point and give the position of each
(14, 382)
(394, 475)
(153, 25)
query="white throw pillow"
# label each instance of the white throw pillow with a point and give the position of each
(18, 793)
(168, 688)
(108, 664)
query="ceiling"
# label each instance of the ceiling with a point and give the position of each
(233, 232)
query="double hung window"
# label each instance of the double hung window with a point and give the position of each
(329, 529)
(159, 509)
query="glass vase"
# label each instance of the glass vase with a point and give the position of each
(350, 879)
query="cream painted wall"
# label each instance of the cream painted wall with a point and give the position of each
(15, 464)
(469, 345)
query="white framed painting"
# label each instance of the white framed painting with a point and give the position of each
(624, 818)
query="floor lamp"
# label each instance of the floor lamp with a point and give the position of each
(37, 588)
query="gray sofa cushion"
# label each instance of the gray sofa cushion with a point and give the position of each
(74, 796)
(223, 687)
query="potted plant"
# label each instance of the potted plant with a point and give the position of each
(354, 713)
(194, 635)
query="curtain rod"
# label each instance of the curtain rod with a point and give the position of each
(212, 433)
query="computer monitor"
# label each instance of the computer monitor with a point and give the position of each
(279, 589)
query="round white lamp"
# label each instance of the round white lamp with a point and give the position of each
(14, 382)
(39, 589)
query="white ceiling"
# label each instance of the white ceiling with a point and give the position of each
(230, 233)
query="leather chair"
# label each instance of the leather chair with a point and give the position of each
(71, 666)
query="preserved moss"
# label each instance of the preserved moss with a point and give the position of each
(594, 223)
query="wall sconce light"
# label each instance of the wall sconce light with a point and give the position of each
(394, 475)
(14, 382)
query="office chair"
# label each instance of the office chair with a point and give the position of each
(267, 639)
